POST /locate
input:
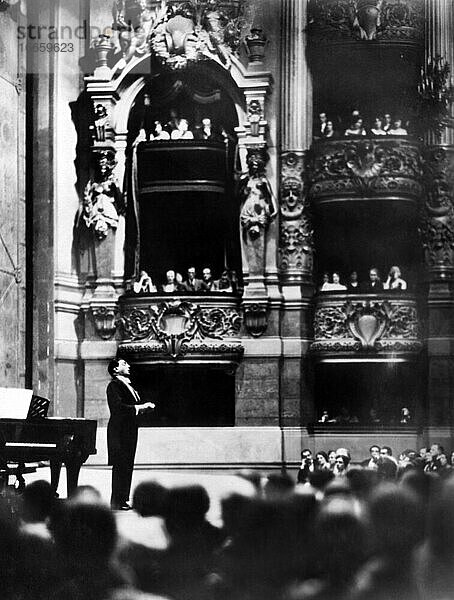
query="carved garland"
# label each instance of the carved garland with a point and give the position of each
(367, 19)
(365, 166)
(174, 324)
(366, 325)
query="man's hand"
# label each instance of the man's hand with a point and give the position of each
(146, 406)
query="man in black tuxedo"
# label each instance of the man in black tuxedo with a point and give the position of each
(124, 405)
(374, 285)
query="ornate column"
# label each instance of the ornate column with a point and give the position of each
(295, 236)
(438, 228)
(295, 249)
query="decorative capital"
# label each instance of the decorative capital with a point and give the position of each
(104, 319)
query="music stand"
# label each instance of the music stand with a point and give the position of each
(38, 407)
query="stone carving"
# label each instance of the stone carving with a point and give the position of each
(363, 324)
(101, 121)
(104, 318)
(255, 43)
(403, 323)
(258, 204)
(367, 321)
(436, 95)
(329, 322)
(256, 317)
(102, 201)
(296, 246)
(175, 323)
(366, 166)
(179, 33)
(437, 223)
(367, 19)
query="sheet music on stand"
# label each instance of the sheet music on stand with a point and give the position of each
(14, 403)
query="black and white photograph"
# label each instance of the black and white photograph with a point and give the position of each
(227, 300)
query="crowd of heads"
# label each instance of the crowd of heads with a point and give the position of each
(377, 528)
(175, 283)
(381, 125)
(180, 128)
(332, 282)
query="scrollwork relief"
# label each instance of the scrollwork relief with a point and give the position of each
(437, 219)
(367, 19)
(365, 166)
(366, 325)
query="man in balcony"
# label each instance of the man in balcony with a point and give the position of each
(374, 285)
(192, 284)
(208, 283)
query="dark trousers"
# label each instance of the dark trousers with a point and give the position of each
(121, 481)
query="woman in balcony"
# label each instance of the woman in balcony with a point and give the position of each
(182, 132)
(377, 129)
(355, 129)
(395, 282)
(158, 132)
(397, 128)
(335, 286)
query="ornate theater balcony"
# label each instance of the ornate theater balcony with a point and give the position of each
(398, 22)
(181, 165)
(355, 327)
(366, 168)
(182, 328)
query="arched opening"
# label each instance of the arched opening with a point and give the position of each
(184, 213)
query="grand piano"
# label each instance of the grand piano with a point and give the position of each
(37, 438)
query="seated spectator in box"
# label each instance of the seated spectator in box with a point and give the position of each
(171, 285)
(144, 284)
(307, 466)
(224, 283)
(355, 129)
(394, 281)
(158, 133)
(377, 129)
(208, 283)
(335, 286)
(182, 132)
(374, 285)
(353, 286)
(397, 128)
(192, 284)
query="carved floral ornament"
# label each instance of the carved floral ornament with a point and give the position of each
(367, 19)
(366, 166)
(366, 325)
(173, 326)
(179, 33)
(437, 222)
